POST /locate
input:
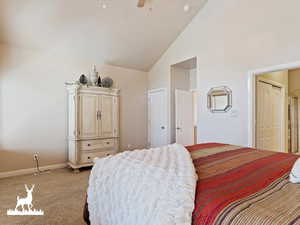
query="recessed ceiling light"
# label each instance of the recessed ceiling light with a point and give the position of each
(104, 6)
(186, 7)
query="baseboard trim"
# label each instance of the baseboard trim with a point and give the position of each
(31, 170)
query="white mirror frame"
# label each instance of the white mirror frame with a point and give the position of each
(224, 91)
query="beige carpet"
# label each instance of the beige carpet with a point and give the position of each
(60, 194)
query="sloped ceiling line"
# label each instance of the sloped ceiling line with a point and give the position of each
(122, 34)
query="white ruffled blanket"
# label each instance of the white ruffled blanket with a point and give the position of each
(143, 187)
(295, 172)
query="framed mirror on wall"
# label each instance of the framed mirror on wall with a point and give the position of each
(219, 99)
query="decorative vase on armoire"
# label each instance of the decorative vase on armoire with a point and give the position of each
(94, 76)
(93, 124)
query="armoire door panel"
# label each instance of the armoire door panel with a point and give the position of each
(116, 116)
(107, 126)
(88, 123)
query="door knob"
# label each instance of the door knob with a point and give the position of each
(178, 128)
(162, 127)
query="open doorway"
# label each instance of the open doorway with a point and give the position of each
(184, 102)
(276, 110)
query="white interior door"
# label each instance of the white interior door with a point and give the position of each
(184, 118)
(157, 118)
(269, 111)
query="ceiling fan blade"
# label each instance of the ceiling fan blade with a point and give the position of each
(141, 3)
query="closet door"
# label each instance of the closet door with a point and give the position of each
(106, 126)
(269, 114)
(88, 123)
(277, 116)
(264, 116)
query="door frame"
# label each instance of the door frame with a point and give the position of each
(252, 95)
(297, 119)
(149, 92)
(283, 121)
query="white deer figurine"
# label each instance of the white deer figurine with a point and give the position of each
(25, 201)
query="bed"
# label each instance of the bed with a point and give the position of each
(242, 186)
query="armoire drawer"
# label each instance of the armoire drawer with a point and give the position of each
(89, 157)
(91, 145)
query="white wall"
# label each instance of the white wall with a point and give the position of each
(180, 78)
(33, 104)
(229, 38)
(193, 79)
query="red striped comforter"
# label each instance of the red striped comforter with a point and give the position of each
(244, 186)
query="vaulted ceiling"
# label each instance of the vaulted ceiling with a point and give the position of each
(121, 34)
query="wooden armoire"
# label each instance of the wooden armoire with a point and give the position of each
(93, 124)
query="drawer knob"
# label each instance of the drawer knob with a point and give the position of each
(89, 144)
(107, 143)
